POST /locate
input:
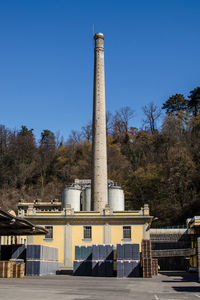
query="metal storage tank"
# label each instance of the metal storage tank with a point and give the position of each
(116, 198)
(87, 199)
(71, 195)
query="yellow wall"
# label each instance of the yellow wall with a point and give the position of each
(126, 213)
(57, 241)
(193, 261)
(77, 236)
(117, 234)
(100, 233)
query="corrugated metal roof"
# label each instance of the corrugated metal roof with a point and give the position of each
(11, 225)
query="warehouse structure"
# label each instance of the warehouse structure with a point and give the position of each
(172, 247)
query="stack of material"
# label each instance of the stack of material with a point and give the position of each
(155, 266)
(12, 269)
(41, 260)
(102, 260)
(18, 269)
(147, 268)
(128, 260)
(147, 264)
(83, 261)
(96, 260)
(6, 269)
(198, 255)
(146, 249)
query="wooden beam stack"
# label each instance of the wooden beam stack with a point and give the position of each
(146, 259)
(11, 269)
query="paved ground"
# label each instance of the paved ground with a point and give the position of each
(163, 287)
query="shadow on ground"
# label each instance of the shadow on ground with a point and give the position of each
(180, 277)
(183, 277)
(186, 289)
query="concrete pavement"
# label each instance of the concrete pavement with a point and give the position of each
(58, 287)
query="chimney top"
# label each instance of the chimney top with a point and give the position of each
(99, 35)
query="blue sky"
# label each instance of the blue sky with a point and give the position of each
(152, 50)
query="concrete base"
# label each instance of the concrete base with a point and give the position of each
(64, 271)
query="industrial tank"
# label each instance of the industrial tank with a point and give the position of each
(116, 198)
(71, 195)
(86, 204)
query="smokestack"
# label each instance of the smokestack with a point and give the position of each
(99, 148)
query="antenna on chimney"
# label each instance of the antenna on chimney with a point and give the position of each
(93, 30)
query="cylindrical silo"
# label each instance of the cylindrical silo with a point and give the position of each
(116, 198)
(71, 195)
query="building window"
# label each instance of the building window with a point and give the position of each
(87, 232)
(49, 235)
(126, 232)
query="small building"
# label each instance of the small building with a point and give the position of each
(68, 228)
(193, 226)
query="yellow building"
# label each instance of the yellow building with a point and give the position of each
(68, 228)
(193, 226)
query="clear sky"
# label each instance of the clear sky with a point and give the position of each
(152, 50)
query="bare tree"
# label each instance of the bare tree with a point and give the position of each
(59, 139)
(87, 131)
(152, 113)
(121, 120)
(74, 138)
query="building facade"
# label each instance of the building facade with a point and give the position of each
(67, 228)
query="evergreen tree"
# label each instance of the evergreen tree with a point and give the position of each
(194, 102)
(175, 103)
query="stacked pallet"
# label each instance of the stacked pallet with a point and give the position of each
(147, 262)
(155, 266)
(18, 269)
(41, 260)
(128, 260)
(6, 269)
(198, 255)
(12, 269)
(96, 260)
(146, 249)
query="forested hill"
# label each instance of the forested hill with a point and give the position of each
(156, 166)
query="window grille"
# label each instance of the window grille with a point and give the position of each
(126, 232)
(87, 232)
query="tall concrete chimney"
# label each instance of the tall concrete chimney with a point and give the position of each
(99, 149)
